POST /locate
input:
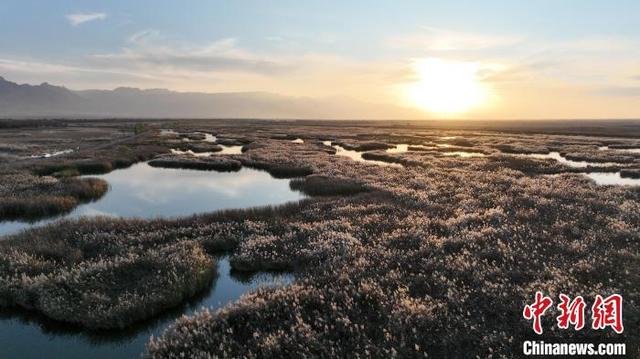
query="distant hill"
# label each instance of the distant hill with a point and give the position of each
(28, 100)
(46, 100)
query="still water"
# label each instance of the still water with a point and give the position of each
(357, 155)
(464, 154)
(576, 164)
(600, 178)
(401, 148)
(226, 150)
(26, 336)
(612, 178)
(145, 191)
(629, 150)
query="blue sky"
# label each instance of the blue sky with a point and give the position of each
(584, 50)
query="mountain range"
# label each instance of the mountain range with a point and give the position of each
(46, 100)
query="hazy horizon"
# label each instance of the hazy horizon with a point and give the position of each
(420, 60)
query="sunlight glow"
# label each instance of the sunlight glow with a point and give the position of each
(446, 87)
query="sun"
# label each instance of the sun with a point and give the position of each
(446, 87)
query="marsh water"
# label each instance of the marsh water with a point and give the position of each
(629, 150)
(402, 148)
(25, 335)
(229, 150)
(226, 150)
(145, 191)
(612, 178)
(600, 178)
(571, 163)
(357, 155)
(465, 154)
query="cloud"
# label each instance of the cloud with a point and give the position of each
(150, 60)
(437, 39)
(141, 37)
(524, 72)
(148, 51)
(81, 18)
(620, 91)
(78, 75)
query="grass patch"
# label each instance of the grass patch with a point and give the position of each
(112, 292)
(209, 164)
(630, 173)
(251, 146)
(199, 147)
(383, 157)
(462, 142)
(365, 146)
(315, 185)
(525, 165)
(12, 208)
(64, 196)
(279, 170)
(420, 149)
(121, 157)
(521, 149)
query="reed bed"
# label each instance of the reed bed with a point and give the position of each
(435, 259)
(208, 164)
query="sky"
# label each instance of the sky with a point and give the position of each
(440, 59)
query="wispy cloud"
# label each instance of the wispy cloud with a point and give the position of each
(619, 91)
(141, 37)
(77, 75)
(523, 72)
(147, 50)
(81, 18)
(437, 39)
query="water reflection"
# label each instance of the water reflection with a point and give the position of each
(608, 178)
(167, 132)
(207, 136)
(145, 191)
(226, 150)
(53, 154)
(402, 148)
(357, 156)
(210, 138)
(26, 335)
(629, 150)
(576, 164)
(229, 150)
(191, 153)
(464, 154)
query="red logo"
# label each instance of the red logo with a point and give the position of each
(605, 312)
(536, 310)
(571, 312)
